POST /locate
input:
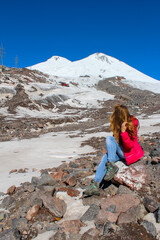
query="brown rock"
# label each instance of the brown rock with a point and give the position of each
(71, 226)
(122, 202)
(71, 181)
(131, 215)
(92, 233)
(59, 175)
(55, 205)
(32, 212)
(11, 190)
(12, 171)
(70, 192)
(106, 216)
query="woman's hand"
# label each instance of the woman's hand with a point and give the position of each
(123, 127)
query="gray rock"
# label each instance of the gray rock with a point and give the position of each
(91, 200)
(111, 190)
(52, 227)
(150, 204)
(58, 236)
(3, 215)
(111, 208)
(150, 228)
(158, 216)
(91, 213)
(47, 189)
(123, 190)
(19, 223)
(45, 179)
(109, 228)
(10, 234)
(8, 201)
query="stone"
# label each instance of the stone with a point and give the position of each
(151, 218)
(133, 176)
(45, 179)
(11, 190)
(109, 228)
(91, 213)
(91, 200)
(105, 216)
(32, 212)
(150, 228)
(71, 181)
(52, 227)
(47, 189)
(150, 204)
(19, 223)
(3, 215)
(10, 234)
(13, 171)
(131, 215)
(71, 192)
(124, 190)
(58, 236)
(56, 206)
(59, 176)
(111, 190)
(7, 202)
(111, 208)
(91, 234)
(71, 226)
(122, 202)
(158, 215)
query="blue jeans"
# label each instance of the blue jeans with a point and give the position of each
(114, 153)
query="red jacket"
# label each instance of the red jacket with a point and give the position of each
(131, 148)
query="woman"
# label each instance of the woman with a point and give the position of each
(123, 145)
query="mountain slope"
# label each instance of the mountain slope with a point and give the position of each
(95, 65)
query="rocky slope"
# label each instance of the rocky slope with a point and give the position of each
(52, 205)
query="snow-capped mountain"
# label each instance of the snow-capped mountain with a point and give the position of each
(95, 65)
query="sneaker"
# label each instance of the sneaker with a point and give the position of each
(112, 169)
(92, 189)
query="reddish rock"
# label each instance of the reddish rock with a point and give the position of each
(70, 192)
(122, 202)
(92, 233)
(71, 226)
(59, 175)
(13, 171)
(11, 190)
(133, 176)
(56, 206)
(106, 216)
(32, 212)
(132, 215)
(71, 181)
(21, 170)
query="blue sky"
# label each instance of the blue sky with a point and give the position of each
(36, 30)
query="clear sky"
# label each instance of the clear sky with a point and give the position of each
(35, 30)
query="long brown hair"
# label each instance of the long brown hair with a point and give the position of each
(121, 114)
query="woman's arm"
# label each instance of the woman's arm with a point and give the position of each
(127, 141)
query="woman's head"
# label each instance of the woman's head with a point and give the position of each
(120, 114)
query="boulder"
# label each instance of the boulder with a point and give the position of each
(150, 204)
(133, 176)
(71, 226)
(56, 206)
(32, 212)
(91, 234)
(91, 213)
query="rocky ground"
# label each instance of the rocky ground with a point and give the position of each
(128, 207)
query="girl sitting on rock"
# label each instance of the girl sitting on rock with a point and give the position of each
(123, 145)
